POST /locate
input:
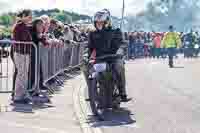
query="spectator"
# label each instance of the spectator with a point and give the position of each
(21, 56)
(139, 45)
(53, 26)
(77, 34)
(189, 40)
(146, 46)
(182, 37)
(126, 36)
(131, 46)
(58, 32)
(150, 43)
(68, 34)
(157, 44)
(46, 21)
(1, 50)
(83, 35)
(38, 36)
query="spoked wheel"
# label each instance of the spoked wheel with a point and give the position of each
(96, 99)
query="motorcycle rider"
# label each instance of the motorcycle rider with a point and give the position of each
(105, 40)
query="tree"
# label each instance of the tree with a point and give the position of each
(6, 31)
(159, 14)
(6, 20)
(63, 17)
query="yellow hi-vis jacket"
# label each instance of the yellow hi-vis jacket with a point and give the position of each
(171, 40)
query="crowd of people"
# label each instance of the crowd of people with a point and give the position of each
(42, 30)
(151, 44)
(49, 31)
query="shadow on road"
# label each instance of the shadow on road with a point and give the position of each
(114, 118)
(178, 67)
(55, 86)
(23, 108)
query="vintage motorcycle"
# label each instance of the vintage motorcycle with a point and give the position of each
(102, 86)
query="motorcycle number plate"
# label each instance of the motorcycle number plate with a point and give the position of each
(100, 67)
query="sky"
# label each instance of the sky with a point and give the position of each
(80, 6)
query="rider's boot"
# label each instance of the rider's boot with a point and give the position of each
(124, 98)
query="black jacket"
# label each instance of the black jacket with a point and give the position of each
(105, 42)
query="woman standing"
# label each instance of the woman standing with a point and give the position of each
(38, 36)
(157, 44)
(21, 57)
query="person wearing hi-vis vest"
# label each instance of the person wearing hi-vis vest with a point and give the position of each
(171, 41)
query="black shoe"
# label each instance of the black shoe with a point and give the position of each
(41, 98)
(20, 101)
(23, 101)
(125, 99)
(87, 99)
(45, 100)
(44, 88)
(171, 66)
(28, 101)
(35, 94)
(12, 97)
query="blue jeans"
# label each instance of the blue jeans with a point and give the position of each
(131, 50)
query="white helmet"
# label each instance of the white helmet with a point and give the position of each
(103, 16)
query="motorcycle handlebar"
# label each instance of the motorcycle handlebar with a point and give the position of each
(109, 56)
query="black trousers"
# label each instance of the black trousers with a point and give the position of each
(171, 54)
(15, 70)
(119, 70)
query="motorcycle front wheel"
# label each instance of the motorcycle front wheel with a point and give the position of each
(96, 99)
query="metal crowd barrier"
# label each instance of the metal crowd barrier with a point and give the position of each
(56, 59)
(48, 61)
(15, 60)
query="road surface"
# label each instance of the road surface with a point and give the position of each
(166, 100)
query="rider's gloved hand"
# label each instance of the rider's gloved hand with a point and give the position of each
(124, 98)
(92, 61)
(85, 59)
(93, 57)
(120, 53)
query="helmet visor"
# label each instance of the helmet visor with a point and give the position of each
(100, 16)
